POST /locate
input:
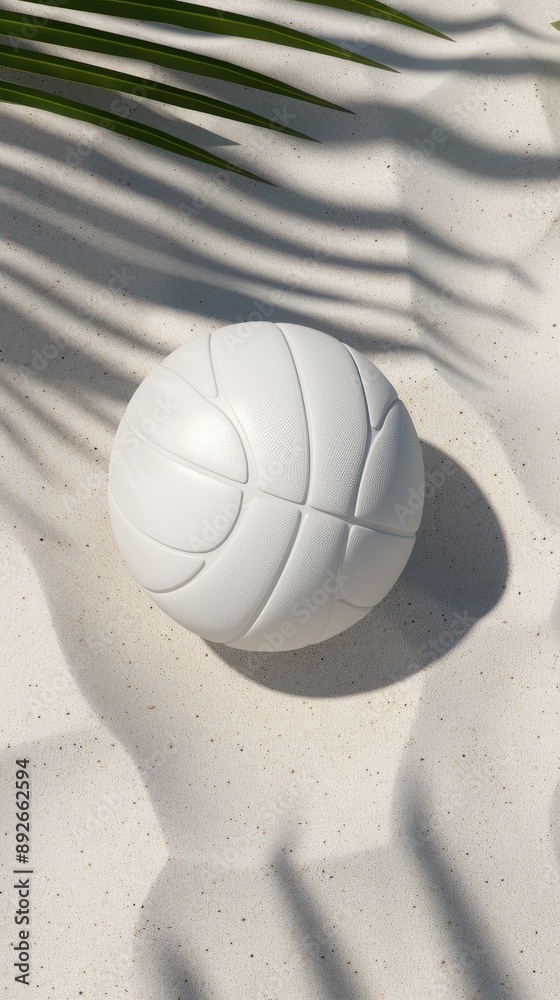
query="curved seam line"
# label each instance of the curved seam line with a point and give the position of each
(169, 548)
(386, 413)
(369, 435)
(249, 492)
(171, 590)
(206, 399)
(306, 410)
(339, 564)
(174, 371)
(358, 607)
(362, 522)
(374, 429)
(164, 545)
(342, 548)
(170, 456)
(186, 462)
(391, 405)
(169, 368)
(379, 425)
(364, 456)
(272, 588)
(234, 418)
(373, 436)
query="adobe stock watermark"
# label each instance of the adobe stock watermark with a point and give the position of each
(539, 200)
(113, 804)
(6, 571)
(436, 138)
(453, 795)
(40, 357)
(303, 610)
(76, 154)
(263, 309)
(241, 847)
(425, 148)
(130, 441)
(192, 209)
(96, 644)
(119, 279)
(117, 970)
(214, 531)
(459, 623)
(92, 485)
(547, 544)
(462, 972)
(425, 491)
(282, 457)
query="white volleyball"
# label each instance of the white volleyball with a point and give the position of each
(265, 486)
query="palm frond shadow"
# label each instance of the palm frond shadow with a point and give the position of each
(176, 977)
(481, 967)
(319, 944)
(16, 57)
(175, 272)
(555, 823)
(470, 24)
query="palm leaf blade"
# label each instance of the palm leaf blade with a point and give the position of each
(220, 22)
(32, 98)
(31, 61)
(180, 13)
(109, 43)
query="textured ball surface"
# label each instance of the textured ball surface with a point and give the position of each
(265, 486)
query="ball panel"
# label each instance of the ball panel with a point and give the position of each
(155, 566)
(170, 502)
(372, 565)
(168, 411)
(255, 371)
(337, 417)
(343, 616)
(193, 362)
(299, 606)
(392, 482)
(378, 390)
(221, 603)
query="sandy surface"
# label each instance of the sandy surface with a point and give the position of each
(378, 816)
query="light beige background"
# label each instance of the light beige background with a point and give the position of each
(378, 816)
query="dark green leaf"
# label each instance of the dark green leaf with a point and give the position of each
(31, 61)
(108, 43)
(83, 112)
(183, 14)
(220, 22)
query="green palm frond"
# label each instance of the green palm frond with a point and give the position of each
(108, 43)
(19, 27)
(98, 76)
(116, 123)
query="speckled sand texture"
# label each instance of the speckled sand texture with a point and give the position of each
(378, 817)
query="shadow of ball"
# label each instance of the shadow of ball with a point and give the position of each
(455, 575)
